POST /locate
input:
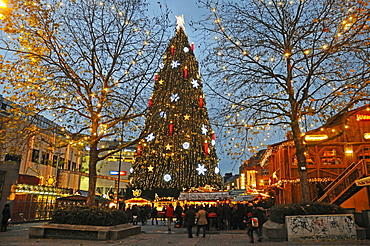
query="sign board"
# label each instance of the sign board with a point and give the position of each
(123, 173)
(316, 137)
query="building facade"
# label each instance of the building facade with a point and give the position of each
(337, 156)
(33, 173)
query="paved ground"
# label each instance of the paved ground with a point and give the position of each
(156, 236)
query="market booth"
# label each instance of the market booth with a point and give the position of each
(139, 201)
(201, 198)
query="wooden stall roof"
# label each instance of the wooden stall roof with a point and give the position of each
(204, 196)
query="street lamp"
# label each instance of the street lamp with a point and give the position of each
(3, 4)
(119, 167)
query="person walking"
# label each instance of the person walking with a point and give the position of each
(169, 215)
(178, 213)
(260, 214)
(154, 214)
(252, 225)
(202, 221)
(6, 217)
(189, 220)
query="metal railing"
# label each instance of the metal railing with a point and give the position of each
(344, 182)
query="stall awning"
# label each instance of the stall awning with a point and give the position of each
(363, 182)
(138, 200)
(244, 198)
(204, 196)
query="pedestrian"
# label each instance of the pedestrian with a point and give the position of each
(202, 221)
(260, 214)
(252, 225)
(154, 214)
(178, 214)
(6, 217)
(169, 215)
(189, 220)
(135, 212)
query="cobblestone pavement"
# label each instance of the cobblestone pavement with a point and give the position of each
(156, 236)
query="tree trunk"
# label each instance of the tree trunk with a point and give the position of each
(302, 171)
(92, 176)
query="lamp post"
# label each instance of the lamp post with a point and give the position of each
(119, 168)
(119, 177)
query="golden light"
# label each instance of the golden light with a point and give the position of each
(3, 4)
(316, 137)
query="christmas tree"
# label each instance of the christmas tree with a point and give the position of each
(178, 150)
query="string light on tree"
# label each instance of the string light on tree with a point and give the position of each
(180, 125)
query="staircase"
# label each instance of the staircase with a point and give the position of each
(344, 186)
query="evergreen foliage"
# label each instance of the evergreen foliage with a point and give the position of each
(178, 148)
(277, 213)
(95, 216)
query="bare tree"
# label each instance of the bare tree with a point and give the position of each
(291, 64)
(87, 64)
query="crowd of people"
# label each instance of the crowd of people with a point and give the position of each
(221, 216)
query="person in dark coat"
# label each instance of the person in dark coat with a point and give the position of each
(178, 214)
(6, 217)
(251, 227)
(154, 214)
(135, 212)
(189, 220)
(260, 214)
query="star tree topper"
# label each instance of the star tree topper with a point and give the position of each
(180, 22)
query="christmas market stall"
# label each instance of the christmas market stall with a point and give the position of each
(200, 198)
(139, 201)
(79, 199)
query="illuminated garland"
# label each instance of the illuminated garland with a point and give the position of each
(297, 180)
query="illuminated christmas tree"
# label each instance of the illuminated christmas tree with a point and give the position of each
(178, 150)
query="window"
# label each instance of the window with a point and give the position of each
(55, 160)
(61, 163)
(364, 153)
(309, 160)
(331, 157)
(35, 155)
(44, 158)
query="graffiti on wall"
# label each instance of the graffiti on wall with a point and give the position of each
(321, 227)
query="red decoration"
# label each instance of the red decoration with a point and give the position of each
(206, 148)
(171, 128)
(213, 142)
(192, 46)
(201, 101)
(172, 50)
(155, 77)
(138, 150)
(150, 102)
(185, 72)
